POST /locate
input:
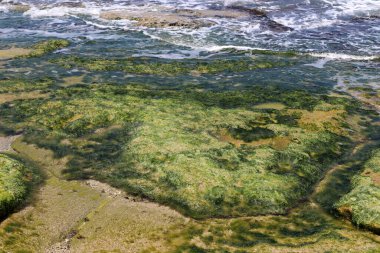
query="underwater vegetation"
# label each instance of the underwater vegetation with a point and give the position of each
(48, 46)
(243, 164)
(10, 86)
(37, 50)
(148, 66)
(205, 153)
(361, 204)
(15, 182)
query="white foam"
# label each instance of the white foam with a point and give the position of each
(228, 33)
(4, 8)
(337, 56)
(36, 12)
(320, 64)
(328, 12)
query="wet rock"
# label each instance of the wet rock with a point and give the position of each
(6, 142)
(19, 7)
(212, 13)
(157, 19)
(104, 188)
(366, 18)
(267, 22)
(192, 19)
(70, 5)
(276, 27)
(172, 21)
(250, 11)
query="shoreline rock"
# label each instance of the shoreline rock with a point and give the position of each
(156, 19)
(192, 19)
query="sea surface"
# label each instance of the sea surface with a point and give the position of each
(341, 38)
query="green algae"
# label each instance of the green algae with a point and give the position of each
(147, 66)
(276, 53)
(362, 203)
(168, 146)
(21, 85)
(46, 47)
(15, 181)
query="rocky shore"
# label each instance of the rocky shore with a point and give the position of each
(192, 19)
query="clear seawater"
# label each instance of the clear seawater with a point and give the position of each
(340, 38)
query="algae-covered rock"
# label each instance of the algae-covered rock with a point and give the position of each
(152, 66)
(15, 179)
(204, 153)
(47, 46)
(18, 85)
(362, 203)
(37, 50)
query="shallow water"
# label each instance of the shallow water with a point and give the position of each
(334, 26)
(341, 36)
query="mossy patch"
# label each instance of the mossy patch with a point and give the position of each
(147, 66)
(14, 52)
(18, 85)
(7, 97)
(15, 182)
(362, 203)
(48, 46)
(37, 50)
(303, 230)
(167, 145)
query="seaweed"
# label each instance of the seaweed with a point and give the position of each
(362, 203)
(16, 179)
(167, 144)
(152, 66)
(48, 46)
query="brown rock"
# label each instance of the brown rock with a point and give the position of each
(157, 19)
(212, 13)
(19, 7)
(70, 4)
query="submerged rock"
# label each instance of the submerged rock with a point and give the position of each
(276, 27)
(13, 52)
(267, 22)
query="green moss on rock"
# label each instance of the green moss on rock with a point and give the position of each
(48, 46)
(147, 66)
(362, 203)
(20, 85)
(15, 180)
(168, 145)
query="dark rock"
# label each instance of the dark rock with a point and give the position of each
(70, 5)
(366, 18)
(250, 11)
(262, 15)
(277, 27)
